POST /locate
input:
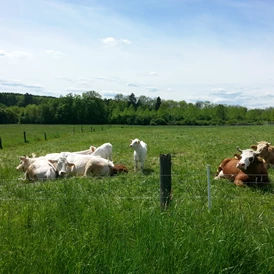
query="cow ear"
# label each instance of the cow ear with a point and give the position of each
(22, 158)
(71, 164)
(253, 147)
(237, 156)
(52, 161)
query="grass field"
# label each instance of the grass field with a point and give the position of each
(115, 224)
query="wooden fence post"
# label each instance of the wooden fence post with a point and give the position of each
(45, 135)
(1, 143)
(25, 137)
(81, 128)
(165, 180)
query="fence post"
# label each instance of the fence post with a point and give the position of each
(81, 128)
(208, 187)
(165, 180)
(25, 138)
(1, 143)
(45, 135)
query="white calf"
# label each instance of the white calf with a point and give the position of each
(140, 152)
(104, 151)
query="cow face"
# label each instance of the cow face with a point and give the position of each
(261, 146)
(62, 165)
(134, 143)
(24, 163)
(246, 158)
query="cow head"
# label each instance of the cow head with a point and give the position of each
(24, 163)
(246, 158)
(62, 165)
(134, 143)
(261, 147)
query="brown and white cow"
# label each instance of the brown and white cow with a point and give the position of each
(266, 151)
(245, 169)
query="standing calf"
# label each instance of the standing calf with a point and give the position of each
(140, 152)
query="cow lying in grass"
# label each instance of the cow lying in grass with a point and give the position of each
(85, 165)
(41, 169)
(266, 151)
(244, 169)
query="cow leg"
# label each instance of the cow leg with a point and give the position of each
(141, 167)
(219, 175)
(239, 183)
(240, 179)
(135, 165)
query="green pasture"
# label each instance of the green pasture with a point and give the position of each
(115, 224)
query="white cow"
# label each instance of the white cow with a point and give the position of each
(26, 161)
(87, 151)
(41, 169)
(139, 154)
(100, 166)
(76, 164)
(104, 151)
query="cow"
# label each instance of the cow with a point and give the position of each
(68, 163)
(41, 169)
(104, 151)
(99, 166)
(87, 151)
(244, 169)
(266, 151)
(139, 154)
(26, 161)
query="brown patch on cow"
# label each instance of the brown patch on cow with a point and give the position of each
(119, 168)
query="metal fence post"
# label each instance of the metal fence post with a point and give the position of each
(165, 180)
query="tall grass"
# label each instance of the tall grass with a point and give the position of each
(115, 225)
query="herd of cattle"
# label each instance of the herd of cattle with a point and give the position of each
(93, 161)
(248, 168)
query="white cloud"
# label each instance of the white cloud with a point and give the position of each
(55, 53)
(109, 41)
(153, 73)
(16, 54)
(152, 89)
(112, 42)
(125, 41)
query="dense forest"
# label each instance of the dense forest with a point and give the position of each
(90, 108)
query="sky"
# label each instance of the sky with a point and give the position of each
(219, 51)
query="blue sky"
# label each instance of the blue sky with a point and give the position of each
(194, 50)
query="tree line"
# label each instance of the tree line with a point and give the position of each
(91, 108)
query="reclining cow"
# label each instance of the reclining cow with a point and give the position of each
(266, 151)
(84, 165)
(41, 169)
(245, 169)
